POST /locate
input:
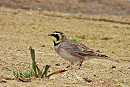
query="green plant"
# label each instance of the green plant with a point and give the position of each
(38, 72)
(127, 26)
(23, 74)
(33, 26)
(76, 38)
(1, 28)
(30, 9)
(100, 24)
(80, 14)
(34, 71)
(115, 26)
(30, 12)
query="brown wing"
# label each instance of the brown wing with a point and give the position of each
(78, 49)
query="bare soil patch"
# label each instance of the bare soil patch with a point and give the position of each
(20, 29)
(111, 7)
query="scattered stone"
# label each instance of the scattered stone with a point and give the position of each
(113, 67)
(97, 50)
(13, 58)
(106, 38)
(113, 52)
(82, 36)
(57, 64)
(24, 80)
(87, 80)
(3, 81)
(67, 66)
(39, 9)
(43, 46)
(9, 77)
(15, 12)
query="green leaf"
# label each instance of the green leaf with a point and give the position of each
(15, 73)
(45, 71)
(20, 73)
(80, 14)
(76, 38)
(39, 72)
(33, 59)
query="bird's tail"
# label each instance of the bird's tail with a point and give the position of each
(106, 57)
(111, 59)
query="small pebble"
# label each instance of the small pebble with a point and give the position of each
(113, 67)
(3, 81)
(97, 50)
(57, 64)
(43, 46)
(87, 80)
(94, 75)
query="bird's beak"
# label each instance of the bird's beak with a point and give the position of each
(49, 34)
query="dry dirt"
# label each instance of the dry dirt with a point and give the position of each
(111, 7)
(20, 29)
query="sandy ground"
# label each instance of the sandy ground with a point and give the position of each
(111, 7)
(20, 29)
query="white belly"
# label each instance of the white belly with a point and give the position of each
(64, 54)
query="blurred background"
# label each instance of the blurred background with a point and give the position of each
(111, 7)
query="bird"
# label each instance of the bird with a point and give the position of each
(74, 51)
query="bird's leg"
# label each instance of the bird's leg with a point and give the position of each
(80, 64)
(70, 67)
(73, 63)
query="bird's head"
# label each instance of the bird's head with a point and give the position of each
(57, 37)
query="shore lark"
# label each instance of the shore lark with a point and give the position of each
(73, 51)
